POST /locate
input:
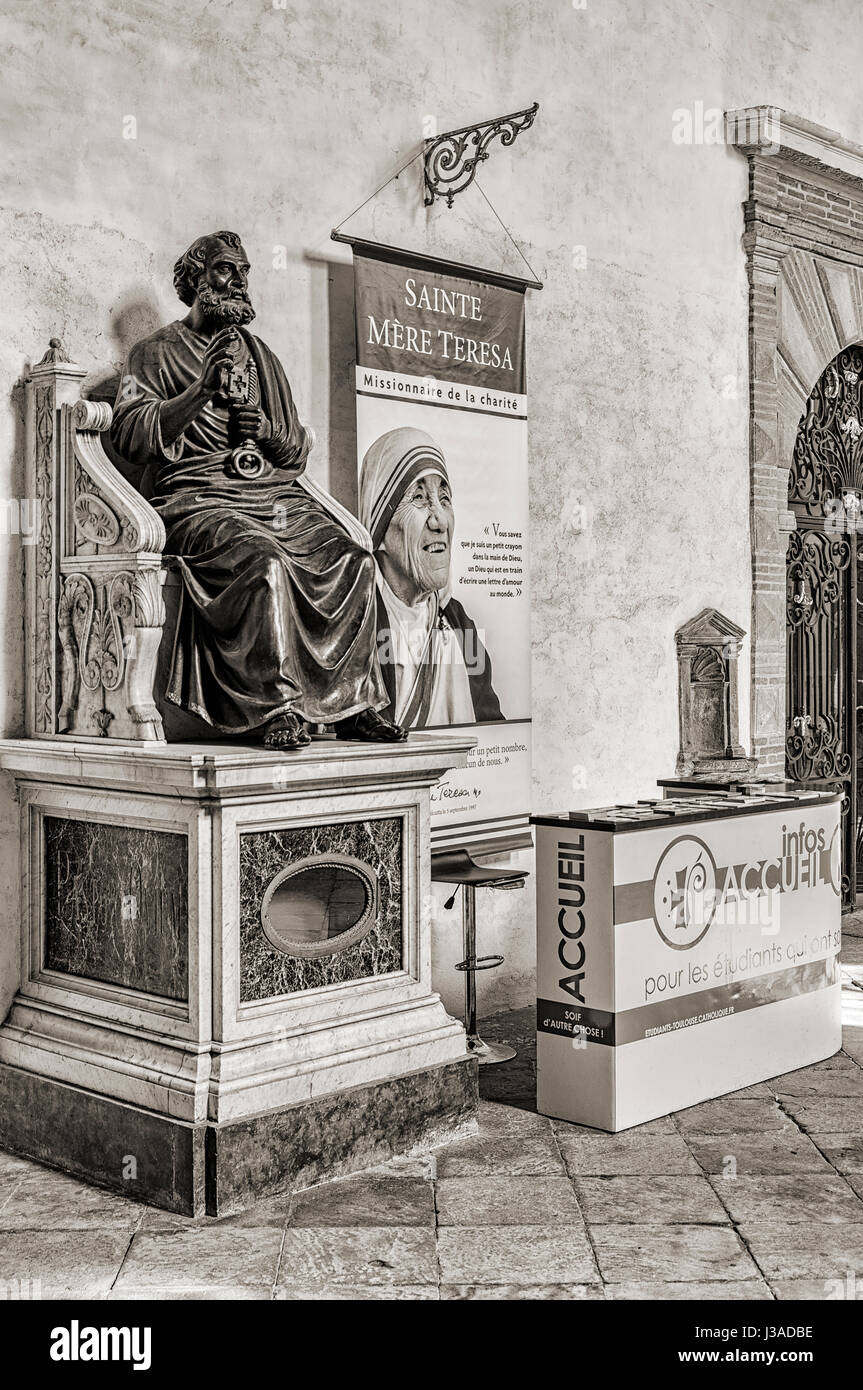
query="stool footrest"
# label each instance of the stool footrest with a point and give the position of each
(480, 963)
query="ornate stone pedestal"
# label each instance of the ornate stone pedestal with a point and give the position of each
(225, 982)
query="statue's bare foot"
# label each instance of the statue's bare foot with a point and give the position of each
(286, 732)
(370, 727)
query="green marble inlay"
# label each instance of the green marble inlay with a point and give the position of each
(116, 905)
(265, 971)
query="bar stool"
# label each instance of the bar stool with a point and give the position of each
(456, 866)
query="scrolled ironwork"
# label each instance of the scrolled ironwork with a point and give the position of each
(815, 564)
(815, 751)
(828, 451)
(823, 598)
(451, 160)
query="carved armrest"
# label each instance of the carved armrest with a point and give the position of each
(94, 581)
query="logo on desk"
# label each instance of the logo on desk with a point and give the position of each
(684, 892)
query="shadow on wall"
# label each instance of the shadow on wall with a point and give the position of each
(339, 355)
(135, 317)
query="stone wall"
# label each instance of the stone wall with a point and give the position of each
(277, 121)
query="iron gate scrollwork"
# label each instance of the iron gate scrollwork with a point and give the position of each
(823, 609)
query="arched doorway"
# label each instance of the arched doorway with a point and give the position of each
(824, 575)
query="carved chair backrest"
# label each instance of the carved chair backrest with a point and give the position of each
(94, 609)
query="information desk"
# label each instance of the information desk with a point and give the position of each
(685, 948)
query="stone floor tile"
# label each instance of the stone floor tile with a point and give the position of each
(785, 1250)
(588, 1155)
(366, 1255)
(363, 1200)
(844, 1151)
(706, 1291)
(45, 1200)
(205, 1257)
(525, 1052)
(507, 1255)
(852, 1043)
(228, 1293)
(523, 1042)
(782, 1152)
(356, 1293)
(817, 1290)
(517, 1073)
(419, 1165)
(495, 1118)
(512, 1087)
(11, 1163)
(517, 1155)
(506, 1201)
(821, 1085)
(664, 1125)
(62, 1261)
(649, 1200)
(806, 1197)
(566, 1293)
(510, 1025)
(836, 1114)
(674, 1254)
(271, 1211)
(9, 1183)
(730, 1116)
(509, 1221)
(501, 1071)
(87, 1294)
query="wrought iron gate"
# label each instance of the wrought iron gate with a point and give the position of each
(824, 569)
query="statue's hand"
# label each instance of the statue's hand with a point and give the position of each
(218, 356)
(251, 423)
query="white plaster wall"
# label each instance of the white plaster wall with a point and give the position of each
(276, 122)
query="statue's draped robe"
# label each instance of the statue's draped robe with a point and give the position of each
(279, 605)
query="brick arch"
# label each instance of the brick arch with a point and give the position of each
(819, 312)
(803, 238)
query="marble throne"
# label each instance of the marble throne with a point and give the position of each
(225, 987)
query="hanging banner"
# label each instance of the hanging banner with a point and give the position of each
(442, 455)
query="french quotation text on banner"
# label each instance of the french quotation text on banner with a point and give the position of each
(442, 453)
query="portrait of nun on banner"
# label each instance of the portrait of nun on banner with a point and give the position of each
(434, 665)
(443, 493)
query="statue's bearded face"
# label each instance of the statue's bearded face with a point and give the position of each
(419, 537)
(223, 287)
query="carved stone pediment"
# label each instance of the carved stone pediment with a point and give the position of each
(709, 628)
(708, 647)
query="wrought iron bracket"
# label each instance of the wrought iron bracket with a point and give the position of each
(450, 161)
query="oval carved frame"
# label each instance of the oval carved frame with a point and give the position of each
(335, 945)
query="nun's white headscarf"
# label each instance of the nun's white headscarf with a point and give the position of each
(393, 464)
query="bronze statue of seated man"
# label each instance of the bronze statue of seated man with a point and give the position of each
(278, 620)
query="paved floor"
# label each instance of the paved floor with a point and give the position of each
(754, 1196)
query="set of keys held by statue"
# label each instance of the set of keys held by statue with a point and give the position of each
(239, 387)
